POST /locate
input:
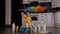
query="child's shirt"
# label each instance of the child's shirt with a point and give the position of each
(27, 20)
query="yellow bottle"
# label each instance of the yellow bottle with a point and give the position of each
(17, 28)
(31, 29)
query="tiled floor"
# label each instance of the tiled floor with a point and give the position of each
(8, 31)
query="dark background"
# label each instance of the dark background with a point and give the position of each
(16, 15)
(2, 13)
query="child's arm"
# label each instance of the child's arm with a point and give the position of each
(23, 14)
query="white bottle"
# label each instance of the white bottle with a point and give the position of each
(35, 29)
(44, 27)
(39, 27)
(13, 27)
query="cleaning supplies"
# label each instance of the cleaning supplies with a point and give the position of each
(17, 28)
(13, 27)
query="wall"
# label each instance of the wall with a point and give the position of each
(8, 12)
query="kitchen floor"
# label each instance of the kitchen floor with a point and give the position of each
(8, 31)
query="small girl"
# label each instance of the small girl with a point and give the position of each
(27, 21)
(27, 18)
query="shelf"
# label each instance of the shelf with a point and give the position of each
(22, 10)
(51, 11)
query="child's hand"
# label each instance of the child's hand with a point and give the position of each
(22, 13)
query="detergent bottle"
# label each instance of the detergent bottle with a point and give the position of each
(17, 28)
(13, 27)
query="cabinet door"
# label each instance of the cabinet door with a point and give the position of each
(26, 1)
(41, 1)
(47, 0)
(57, 19)
(50, 19)
(55, 3)
(44, 1)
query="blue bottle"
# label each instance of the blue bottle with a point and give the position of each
(27, 30)
(22, 29)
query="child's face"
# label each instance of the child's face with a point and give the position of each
(28, 14)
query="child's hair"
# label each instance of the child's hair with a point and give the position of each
(26, 13)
